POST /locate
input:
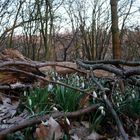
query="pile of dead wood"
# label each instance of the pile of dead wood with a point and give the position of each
(15, 67)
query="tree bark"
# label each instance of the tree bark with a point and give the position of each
(115, 30)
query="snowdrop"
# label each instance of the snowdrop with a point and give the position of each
(54, 108)
(118, 104)
(59, 78)
(50, 87)
(67, 76)
(53, 73)
(67, 120)
(56, 74)
(116, 97)
(77, 77)
(105, 97)
(53, 78)
(94, 94)
(77, 80)
(121, 99)
(101, 108)
(133, 95)
(82, 84)
(103, 112)
(30, 101)
(24, 93)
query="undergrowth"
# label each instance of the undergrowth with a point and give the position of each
(42, 101)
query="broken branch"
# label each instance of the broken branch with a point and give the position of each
(38, 120)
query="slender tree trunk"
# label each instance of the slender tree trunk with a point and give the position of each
(93, 33)
(115, 30)
(15, 21)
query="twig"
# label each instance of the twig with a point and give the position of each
(35, 64)
(132, 71)
(113, 62)
(31, 122)
(118, 122)
(114, 70)
(41, 78)
(125, 73)
(111, 109)
(60, 65)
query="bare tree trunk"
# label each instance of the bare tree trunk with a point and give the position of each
(115, 30)
(15, 21)
(93, 39)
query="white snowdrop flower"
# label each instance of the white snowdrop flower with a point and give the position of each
(117, 93)
(101, 108)
(67, 76)
(56, 74)
(105, 97)
(24, 93)
(121, 99)
(30, 101)
(53, 73)
(118, 104)
(67, 120)
(82, 84)
(103, 112)
(94, 94)
(53, 78)
(77, 77)
(133, 96)
(50, 87)
(54, 108)
(58, 78)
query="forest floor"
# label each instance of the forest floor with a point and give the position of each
(98, 100)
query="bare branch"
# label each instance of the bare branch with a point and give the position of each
(38, 120)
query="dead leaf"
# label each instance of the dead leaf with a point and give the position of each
(8, 76)
(52, 130)
(84, 102)
(75, 137)
(8, 109)
(12, 54)
(95, 136)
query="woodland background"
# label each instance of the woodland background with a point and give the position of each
(61, 30)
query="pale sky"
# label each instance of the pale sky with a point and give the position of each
(66, 23)
(131, 20)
